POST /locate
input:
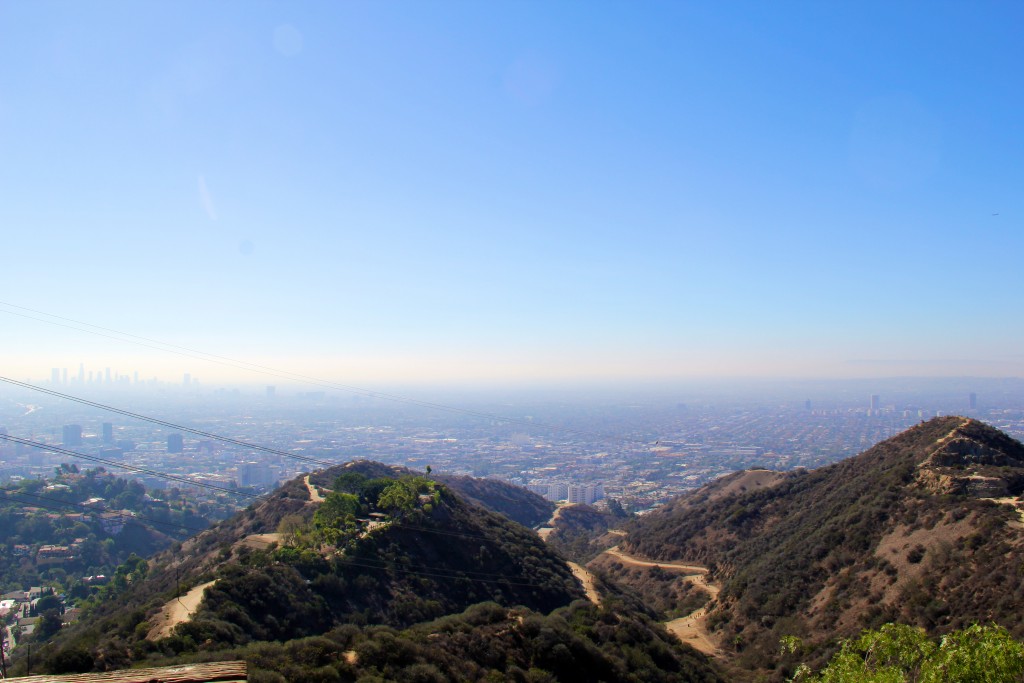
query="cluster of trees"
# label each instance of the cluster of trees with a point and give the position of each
(342, 516)
(897, 653)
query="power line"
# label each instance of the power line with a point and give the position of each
(192, 482)
(364, 562)
(283, 374)
(171, 425)
(120, 465)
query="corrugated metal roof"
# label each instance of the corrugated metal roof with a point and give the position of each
(216, 672)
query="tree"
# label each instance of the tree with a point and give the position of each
(49, 602)
(397, 498)
(335, 517)
(49, 623)
(292, 529)
(897, 653)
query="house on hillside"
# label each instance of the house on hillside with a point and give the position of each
(53, 554)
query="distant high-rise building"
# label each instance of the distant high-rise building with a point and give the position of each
(585, 493)
(108, 432)
(875, 402)
(55, 375)
(972, 400)
(271, 391)
(807, 404)
(64, 376)
(72, 435)
(108, 376)
(255, 474)
(136, 377)
(175, 443)
(187, 379)
(81, 373)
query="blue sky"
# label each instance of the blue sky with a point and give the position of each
(514, 191)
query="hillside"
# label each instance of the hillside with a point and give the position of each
(922, 529)
(360, 547)
(514, 502)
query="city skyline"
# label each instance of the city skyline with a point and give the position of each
(512, 193)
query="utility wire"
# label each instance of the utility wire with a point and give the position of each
(284, 374)
(120, 465)
(146, 418)
(172, 425)
(363, 562)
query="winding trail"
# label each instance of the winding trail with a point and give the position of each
(581, 573)
(637, 562)
(549, 526)
(690, 629)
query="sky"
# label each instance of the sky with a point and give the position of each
(513, 191)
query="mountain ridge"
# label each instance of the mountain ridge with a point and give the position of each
(336, 563)
(915, 529)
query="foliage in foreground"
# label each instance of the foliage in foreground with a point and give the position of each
(897, 653)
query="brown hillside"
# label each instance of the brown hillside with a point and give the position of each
(922, 528)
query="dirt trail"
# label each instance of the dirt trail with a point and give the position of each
(690, 629)
(314, 493)
(581, 573)
(177, 611)
(260, 541)
(587, 579)
(637, 562)
(549, 526)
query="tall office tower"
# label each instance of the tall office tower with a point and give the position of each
(187, 379)
(81, 373)
(72, 435)
(972, 399)
(108, 432)
(271, 391)
(807, 404)
(64, 376)
(55, 375)
(175, 443)
(108, 375)
(875, 402)
(136, 377)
